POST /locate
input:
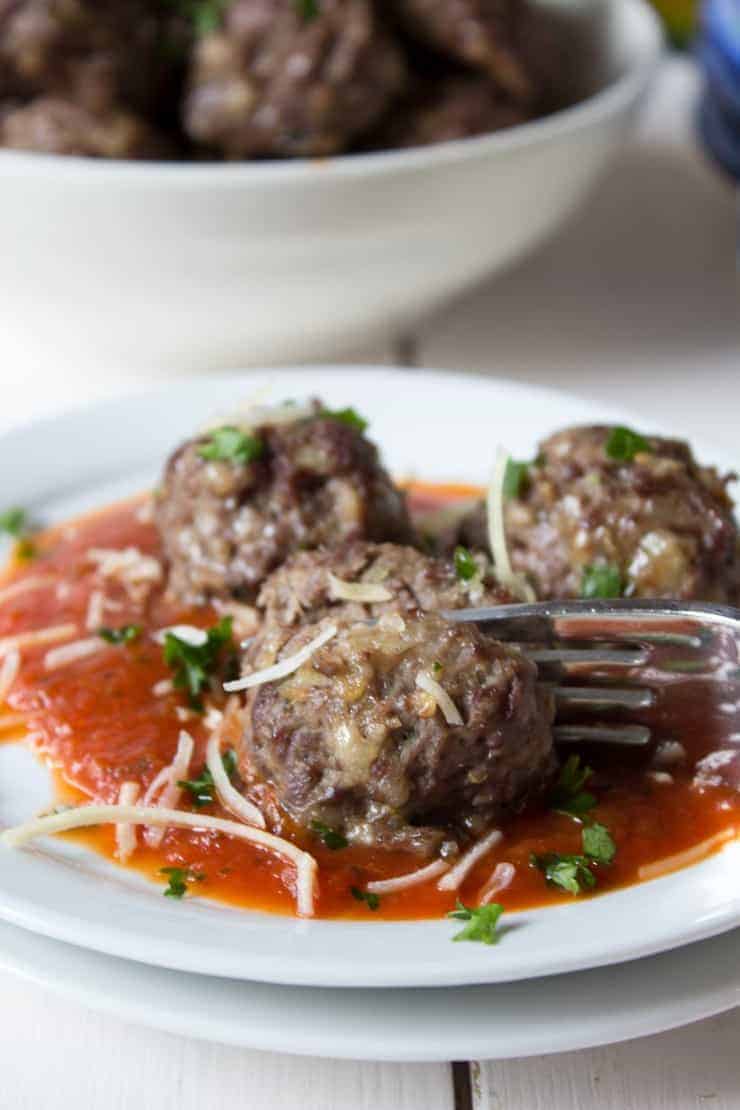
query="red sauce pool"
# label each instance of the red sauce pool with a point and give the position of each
(97, 723)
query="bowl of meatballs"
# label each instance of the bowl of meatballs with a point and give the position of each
(264, 180)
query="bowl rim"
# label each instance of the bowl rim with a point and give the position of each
(647, 45)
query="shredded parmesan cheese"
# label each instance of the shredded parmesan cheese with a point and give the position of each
(366, 592)
(662, 778)
(497, 532)
(187, 633)
(84, 816)
(164, 785)
(682, 859)
(163, 687)
(145, 512)
(403, 882)
(285, 666)
(502, 876)
(70, 653)
(134, 570)
(229, 797)
(447, 707)
(454, 877)
(37, 638)
(95, 609)
(9, 672)
(252, 415)
(126, 834)
(33, 582)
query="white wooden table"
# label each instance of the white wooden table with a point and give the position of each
(634, 303)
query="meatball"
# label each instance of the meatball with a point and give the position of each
(52, 125)
(661, 524)
(229, 519)
(353, 740)
(453, 108)
(287, 78)
(484, 34)
(309, 586)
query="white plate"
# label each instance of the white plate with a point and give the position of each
(438, 426)
(532, 1018)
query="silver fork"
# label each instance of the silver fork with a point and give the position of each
(586, 649)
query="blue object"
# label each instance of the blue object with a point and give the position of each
(718, 53)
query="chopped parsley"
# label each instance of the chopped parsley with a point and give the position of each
(568, 795)
(14, 522)
(203, 15)
(25, 549)
(231, 444)
(598, 844)
(307, 9)
(481, 922)
(437, 667)
(515, 476)
(623, 444)
(192, 665)
(202, 789)
(126, 634)
(569, 872)
(601, 580)
(329, 837)
(465, 565)
(342, 416)
(372, 901)
(178, 879)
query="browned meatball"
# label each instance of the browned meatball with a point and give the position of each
(484, 34)
(227, 522)
(313, 584)
(353, 740)
(657, 523)
(52, 125)
(291, 77)
(452, 108)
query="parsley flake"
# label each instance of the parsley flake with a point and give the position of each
(233, 445)
(193, 665)
(178, 879)
(465, 565)
(329, 837)
(598, 844)
(569, 872)
(202, 790)
(481, 922)
(126, 634)
(14, 522)
(515, 476)
(623, 444)
(601, 580)
(568, 795)
(307, 9)
(343, 416)
(372, 901)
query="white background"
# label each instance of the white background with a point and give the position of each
(635, 302)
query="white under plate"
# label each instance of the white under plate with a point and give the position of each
(558, 1014)
(431, 425)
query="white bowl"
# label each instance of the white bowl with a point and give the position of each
(198, 265)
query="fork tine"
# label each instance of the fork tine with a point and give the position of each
(625, 657)
(604, 697)
(628, 735)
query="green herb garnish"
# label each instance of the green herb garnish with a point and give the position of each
(515, 476)
(307, 9)
(343, 416)
(126, 634)
(601, 580)
(569, 872)
(623, 444)
(204, 15)
(233, 445)
(598, 844)
(465, 565)
(437, 667)
(328, 836)
(481, 922)
(193, 665)
(202, 789)
(14, 522)
(372, 901)
(25, 549)
(178, 879)
(568, 795)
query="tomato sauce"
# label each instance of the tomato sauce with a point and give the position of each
(97, 722)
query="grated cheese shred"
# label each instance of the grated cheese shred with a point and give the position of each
(38, 637)
(285, 667)
(497, 532)
(9, 672)
(228, 795)
(446, 705)
(501, 877)
(366, 592)
(403, 882)
(25, 585)
(70, 653)
(126, 833)
(454, 877)
(682, 859)
(164, 786)
(86, 815)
